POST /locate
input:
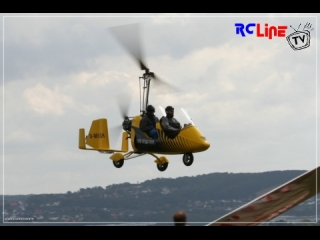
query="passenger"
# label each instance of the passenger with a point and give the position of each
(148, 122)
(170, 125)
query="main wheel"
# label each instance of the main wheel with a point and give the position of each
(162, 167)
(187, 159)
(118, 164)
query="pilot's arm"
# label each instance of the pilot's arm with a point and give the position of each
(166, 127)
(178, 123)
(144, 126)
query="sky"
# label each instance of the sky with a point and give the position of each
(253, 98)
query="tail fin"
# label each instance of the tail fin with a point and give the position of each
(98, 136)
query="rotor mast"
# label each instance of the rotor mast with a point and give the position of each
(147, 76)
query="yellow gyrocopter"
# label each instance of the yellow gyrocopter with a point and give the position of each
(190, 140)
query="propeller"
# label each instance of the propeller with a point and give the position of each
(123, 101)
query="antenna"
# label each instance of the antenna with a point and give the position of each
(299, 26)
(297, 29)
(293, 28)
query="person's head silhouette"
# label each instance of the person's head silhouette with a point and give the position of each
(180, 218)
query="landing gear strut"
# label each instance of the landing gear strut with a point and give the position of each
(187, 159)
(162, 162)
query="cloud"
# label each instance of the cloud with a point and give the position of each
(99, 79)
(20, 135)
(42, 100)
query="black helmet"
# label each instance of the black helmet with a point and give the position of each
(150, 108)
(169, 108)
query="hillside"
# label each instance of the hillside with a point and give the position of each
(204, 197)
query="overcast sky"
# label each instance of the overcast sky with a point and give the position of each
(254, 99)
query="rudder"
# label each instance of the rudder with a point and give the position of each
(98, 137)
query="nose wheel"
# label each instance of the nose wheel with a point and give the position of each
(162, 167)
(187, 159)
(118, 164)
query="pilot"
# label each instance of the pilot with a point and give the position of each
(170, 125)
(148, 122)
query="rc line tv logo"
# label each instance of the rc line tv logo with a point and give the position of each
(297, 40)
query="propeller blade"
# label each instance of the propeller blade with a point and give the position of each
(115, 133)
(163, 87)
(129, 37)
(124, 101)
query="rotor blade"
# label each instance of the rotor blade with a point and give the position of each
(129, 37)
(163, 87)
